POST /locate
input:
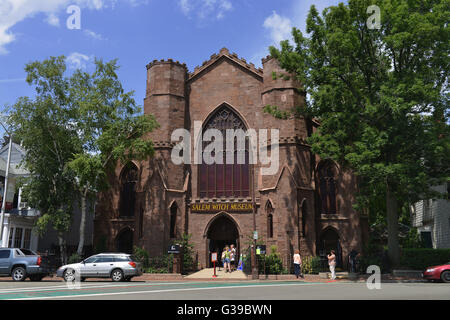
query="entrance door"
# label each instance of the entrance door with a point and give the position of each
(221, 233)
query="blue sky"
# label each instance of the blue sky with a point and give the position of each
(137, 32)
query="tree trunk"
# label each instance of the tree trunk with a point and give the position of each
(82, 224)
(62, 248)
(392, 225)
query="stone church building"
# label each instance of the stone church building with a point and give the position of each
(306, 205)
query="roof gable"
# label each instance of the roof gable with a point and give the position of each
(224, 55)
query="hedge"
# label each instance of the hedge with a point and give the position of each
(420, 259)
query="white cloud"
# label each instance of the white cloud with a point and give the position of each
(15, 11)
(204, 9)
(77, 61)
(280, 28)
(93, 35)
(52, 19)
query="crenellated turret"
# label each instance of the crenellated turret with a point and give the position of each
(166, 97)
(281, 90)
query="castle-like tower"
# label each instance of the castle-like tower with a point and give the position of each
(306, 204)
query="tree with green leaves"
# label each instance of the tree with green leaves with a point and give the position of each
(381, 96)
(75, 131)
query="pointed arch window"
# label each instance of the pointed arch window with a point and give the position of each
(128, 181)
(173, 220)
(227, 179)
(327, 185)
(269, 220)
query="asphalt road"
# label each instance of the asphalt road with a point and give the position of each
(243, 290)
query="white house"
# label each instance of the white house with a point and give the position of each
(19, 218)
(432, 219)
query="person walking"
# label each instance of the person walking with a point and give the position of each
(332, 264)
(298, 264)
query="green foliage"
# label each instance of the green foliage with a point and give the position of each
(421, 258)
(413, 240)
(75, 130)
(311, 265)
(75, 258)
(381, 97)
(188, 252)
(142, 256)
(274, 263)
(279, 114)
(160, 264)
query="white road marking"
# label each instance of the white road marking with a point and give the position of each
(89, 285)
(167, 290)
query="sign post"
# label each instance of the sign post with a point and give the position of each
(175, 249)
(261, 251)
(214, 259)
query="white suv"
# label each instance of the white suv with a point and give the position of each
(117, 266)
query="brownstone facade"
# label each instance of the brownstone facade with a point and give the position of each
(292, 210)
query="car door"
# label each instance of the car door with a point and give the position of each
(5, 260)
(105, 266)
(90, 267)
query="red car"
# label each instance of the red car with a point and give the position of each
(441, 272)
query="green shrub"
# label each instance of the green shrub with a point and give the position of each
(412, 240)
(75, 258)
(274, 263)
(421, 258)
(310, 265)
(142, 256)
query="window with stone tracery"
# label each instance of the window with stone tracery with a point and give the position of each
(226, 179)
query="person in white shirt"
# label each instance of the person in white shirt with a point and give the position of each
(298, 264)
(332, 264)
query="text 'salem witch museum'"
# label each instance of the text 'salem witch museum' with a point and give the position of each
(307, 204)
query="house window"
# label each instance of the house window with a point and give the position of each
(226, 179)
(128, 181)
(18, 238)
(27, 239)
(327, 187)
(11, 235)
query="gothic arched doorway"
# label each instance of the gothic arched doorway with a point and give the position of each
(124, 241)
(329, 240)
(222, 232)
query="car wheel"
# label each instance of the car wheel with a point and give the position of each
(445, 276)
(19, 274)
(117, 275)
(69, 275)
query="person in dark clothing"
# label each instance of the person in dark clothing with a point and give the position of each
(352, 260)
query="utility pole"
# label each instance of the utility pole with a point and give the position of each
(3, 244)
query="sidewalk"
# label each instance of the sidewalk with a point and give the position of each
(207, 275)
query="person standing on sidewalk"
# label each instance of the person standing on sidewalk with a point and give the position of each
(298, 264)
(233, 257)
(332, 264)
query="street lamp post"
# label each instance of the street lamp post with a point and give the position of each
(253, 252)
